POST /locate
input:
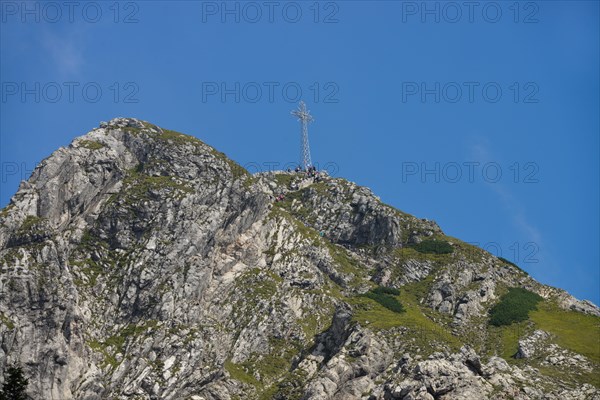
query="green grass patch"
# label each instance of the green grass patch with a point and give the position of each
(419, 290)
(29, 223)
(117, 342)
(262, 284)
(433, 246)
(291, 387)
(284, 179)
(300, 211)
(164, 134)
(386, 297)
(91, 144)
(386, 290)
(280, 211)
(507, 338)
(409, 253)
(271, 367)
(178, 137)
(346, 264)
(278, 361)
(131, 130)
(570, 377)
(138, 185)
(573, 330)
(109, 358)
(514, 306)
(323, 189)
(315, 321)
(239, 373)
(423, 333)
(6, 321)
(91, 269)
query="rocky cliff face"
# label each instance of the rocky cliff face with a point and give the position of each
(140, 263)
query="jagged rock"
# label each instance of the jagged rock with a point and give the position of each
(529, 346)
(142, 263)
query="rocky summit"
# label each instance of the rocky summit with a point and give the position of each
(141, 263)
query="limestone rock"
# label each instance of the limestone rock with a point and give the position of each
(140, 263)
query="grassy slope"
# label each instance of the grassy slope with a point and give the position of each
(428, 335)
(570, 329)
(573, 330)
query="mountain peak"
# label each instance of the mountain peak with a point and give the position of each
(122, 122)
(141, 262)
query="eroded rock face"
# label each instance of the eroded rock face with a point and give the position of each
(139, 263)
(535, 343)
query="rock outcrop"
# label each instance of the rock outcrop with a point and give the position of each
(141, 263)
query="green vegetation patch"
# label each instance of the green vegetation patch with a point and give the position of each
(91, 144)
(239, 373)
(33, 225)
(305, 231)
(382, 290)
(91, 269)
(514, 306)
(261, 285)
(291, 387)
(29, 223)
(178, 137)
(386, 297)
(15, 384)
(433, 246)
(163, 134)
(271, 368)
(505, 339)
(423, 332)
(570, 377)
(346, 265)
(409, 253)
(6, 210)
(300, 211)
(116, 343)
(284, 179)
(139, 185)
(6, 321)
(132, 130)
(95, 260)
(145, 183)
(571, 329)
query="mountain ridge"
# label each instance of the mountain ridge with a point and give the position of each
(142, 263)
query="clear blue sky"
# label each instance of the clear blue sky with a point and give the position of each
(396, 90)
